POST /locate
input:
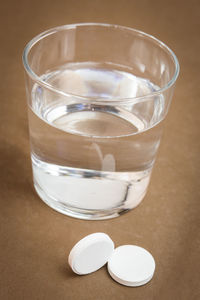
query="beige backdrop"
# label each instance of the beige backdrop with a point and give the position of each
(34, 239)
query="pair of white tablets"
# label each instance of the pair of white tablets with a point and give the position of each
(128, 264)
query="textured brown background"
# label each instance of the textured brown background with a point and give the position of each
(34, 239)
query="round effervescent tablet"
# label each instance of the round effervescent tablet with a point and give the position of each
(131, 265)
(91, 253)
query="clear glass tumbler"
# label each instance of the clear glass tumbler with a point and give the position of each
(97, 97)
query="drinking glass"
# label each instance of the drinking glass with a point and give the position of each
(97, 98)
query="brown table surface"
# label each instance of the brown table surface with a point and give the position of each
(34, 239)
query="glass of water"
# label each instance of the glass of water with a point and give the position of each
(97, 98)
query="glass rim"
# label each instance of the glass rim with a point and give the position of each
(113, 100)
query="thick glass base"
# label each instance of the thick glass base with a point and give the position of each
(84, 214)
